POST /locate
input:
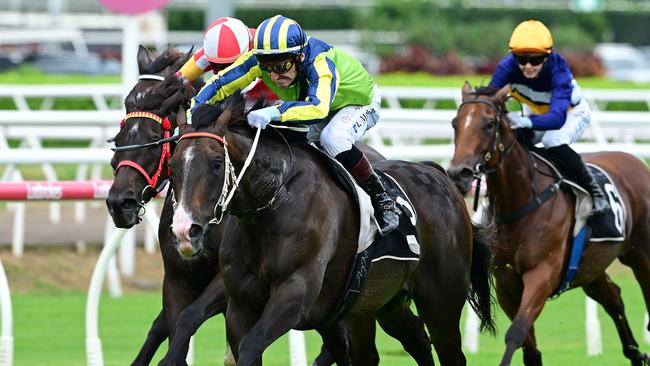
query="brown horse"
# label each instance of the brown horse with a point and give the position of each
(299, 232)
(532, 251)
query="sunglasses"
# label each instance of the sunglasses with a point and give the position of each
(528, 59)
(281, 68)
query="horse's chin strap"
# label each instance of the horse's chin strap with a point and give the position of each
(230, 180)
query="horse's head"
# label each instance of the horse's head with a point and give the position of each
(140, 163)
(202, 171)
(479, 134)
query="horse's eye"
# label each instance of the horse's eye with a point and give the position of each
(217, 163)
(113, 163)
(453, 123)
(490, 125)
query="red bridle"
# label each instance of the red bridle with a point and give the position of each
(166, 149)
(190, 135)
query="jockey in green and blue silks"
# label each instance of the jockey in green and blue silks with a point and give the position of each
(318, 85)
(551, 98)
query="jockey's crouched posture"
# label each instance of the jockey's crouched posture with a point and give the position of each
(224, 41)
(553, 105)
(319, 85)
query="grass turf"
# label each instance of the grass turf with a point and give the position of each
(49, 330)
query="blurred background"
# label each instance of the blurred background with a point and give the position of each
(599, 38)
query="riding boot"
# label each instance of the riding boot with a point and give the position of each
(385, 210)
(583, 177)
(357, 164)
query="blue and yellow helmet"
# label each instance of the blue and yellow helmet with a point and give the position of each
(279, 35)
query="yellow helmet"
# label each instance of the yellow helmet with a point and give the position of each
(531, 36)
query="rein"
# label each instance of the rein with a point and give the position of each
(231, 180)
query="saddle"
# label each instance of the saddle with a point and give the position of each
(399, 244)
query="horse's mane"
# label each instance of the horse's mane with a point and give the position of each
(207, 113)
(170, 57)
(485, 90)
(159, 98)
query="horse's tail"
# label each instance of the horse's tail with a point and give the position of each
(480, 296)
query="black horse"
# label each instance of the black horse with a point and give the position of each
(286, 261)
(192, 289)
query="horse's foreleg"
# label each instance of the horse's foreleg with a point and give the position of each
(211, 302)
(538, 286)
(157, 334)
(608, 294)
(285, 307)
(176, 297)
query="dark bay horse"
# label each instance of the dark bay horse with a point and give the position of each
(532, 252)
(298, 235)
(192, 289)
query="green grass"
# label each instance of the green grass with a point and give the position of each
(28, 74)
(49, 330)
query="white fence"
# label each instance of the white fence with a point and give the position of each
(401, 134)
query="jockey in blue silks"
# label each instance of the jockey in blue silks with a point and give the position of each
(552, 101)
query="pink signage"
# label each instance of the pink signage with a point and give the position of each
(132, 6)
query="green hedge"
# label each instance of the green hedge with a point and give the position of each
(310, 18)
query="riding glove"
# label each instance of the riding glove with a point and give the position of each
(262, 117)
(518, 121)
(188, 116)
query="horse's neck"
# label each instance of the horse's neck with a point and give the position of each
(265, 175)
(509, 187)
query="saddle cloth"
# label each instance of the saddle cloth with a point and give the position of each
(609, 226)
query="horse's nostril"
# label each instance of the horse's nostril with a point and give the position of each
(196, 231)
(129, 204)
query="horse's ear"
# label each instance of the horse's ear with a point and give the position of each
(181, 120)
(467, 91)
(502, 94)
(224, 118)
(145, 57)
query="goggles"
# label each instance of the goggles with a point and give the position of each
(218, 67)
(534, 60)
(280, 68)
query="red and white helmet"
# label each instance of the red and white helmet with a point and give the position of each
(225, 40)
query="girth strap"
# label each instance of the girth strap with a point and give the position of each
(530, 206)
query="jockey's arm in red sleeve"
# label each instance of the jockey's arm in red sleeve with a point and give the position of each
(236, 77)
